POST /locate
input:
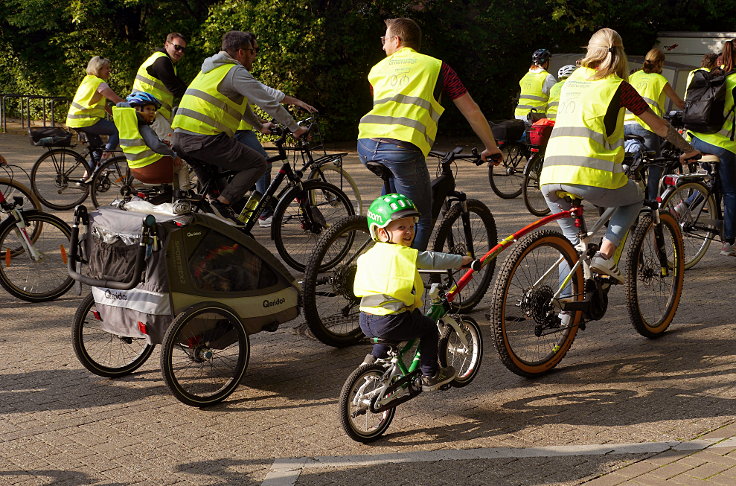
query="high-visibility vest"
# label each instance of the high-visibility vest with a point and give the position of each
(137, 153)
(404, 106)
(244, 125)
(554, 99)
(82, 112)
(722, 138)
(387, 280)
(579, 151)
(690, 78)
(150, 84)
(206, 111)
(651, 87)
(532, 95)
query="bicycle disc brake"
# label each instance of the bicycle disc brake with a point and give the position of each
(537, 304)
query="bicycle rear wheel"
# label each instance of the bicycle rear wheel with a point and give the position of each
(330, 307)
(102, 352)
(112, 181)
(695, 208)
(461, 348)
(302, 215)
(451, 238)
(356, 395)
(507, 178)
(41, 276)
(655, 273)
(57, 178)
(335, 174)
(532, 193)
(529, 336)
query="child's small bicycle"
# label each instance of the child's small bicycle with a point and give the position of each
(372, 392)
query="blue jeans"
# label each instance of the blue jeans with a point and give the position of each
(652, 143)
(410, 177)
(727, 176)
(250, 139)
(102, 127)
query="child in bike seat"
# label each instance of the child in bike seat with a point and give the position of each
(388, 282)
(150, 160)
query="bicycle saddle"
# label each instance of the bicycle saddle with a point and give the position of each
(379, 169)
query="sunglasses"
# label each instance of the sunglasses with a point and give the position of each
(179, 48)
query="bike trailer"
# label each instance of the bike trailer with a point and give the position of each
(508, 130)
(540, 131)
(188, 259)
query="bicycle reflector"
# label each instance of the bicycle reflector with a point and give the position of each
(671, 179)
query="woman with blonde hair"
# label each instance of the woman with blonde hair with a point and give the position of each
(653, 87)
(87, 111)
(586, 149)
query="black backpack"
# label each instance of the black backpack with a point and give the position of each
(705, 102)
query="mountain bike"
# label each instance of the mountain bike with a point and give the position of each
(467, 228)
(370, 395)
(546, 291)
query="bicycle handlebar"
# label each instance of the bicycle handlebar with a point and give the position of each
(147, 232)
(456, 153)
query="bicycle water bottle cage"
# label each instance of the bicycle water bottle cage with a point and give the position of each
(379, 169)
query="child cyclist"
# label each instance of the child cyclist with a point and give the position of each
(391, 289)
(150, 160)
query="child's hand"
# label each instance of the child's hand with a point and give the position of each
(466, 261)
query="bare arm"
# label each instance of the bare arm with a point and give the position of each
(662, 128)
(671, 94)
(471, 111)
(108, 93)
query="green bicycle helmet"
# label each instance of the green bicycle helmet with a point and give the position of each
(390, 207)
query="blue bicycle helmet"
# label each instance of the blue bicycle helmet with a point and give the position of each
(141, 98)
(540, 56)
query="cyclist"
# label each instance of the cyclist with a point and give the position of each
(400, 129)
(150, 160)
(157, 76)
(653, 87)
(210, 112)
(88, 108)
(586, 149)
(554, 92)
(708, 63)
(723, 145)
(535, 86)
(391, 289)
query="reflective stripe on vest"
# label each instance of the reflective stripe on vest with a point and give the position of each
(244, 125)
(145, 82)
(722, 138)
(554, 99)
(404, 106)
(137, 153)
(651, 87)
(204, 110)
(579, 152)
(532, 95)
(387, 279)
(82, 112)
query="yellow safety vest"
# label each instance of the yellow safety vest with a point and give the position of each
(554, 99)
(137, 153)
(244, 125)
(690, 78)
(532, 95)
(82, 112)
(204, 110)
(404, 106)
(579, 151)
(651, 87)
(387, 280)
(145, 82)
(722, 138)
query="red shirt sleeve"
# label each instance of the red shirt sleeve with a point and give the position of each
(632, 100)
(451, 84)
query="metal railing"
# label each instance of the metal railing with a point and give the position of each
(31, 108)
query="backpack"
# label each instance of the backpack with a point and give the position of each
(705, 102)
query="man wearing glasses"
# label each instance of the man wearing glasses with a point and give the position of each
(157, 76)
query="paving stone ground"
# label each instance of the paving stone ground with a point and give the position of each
(619, 409)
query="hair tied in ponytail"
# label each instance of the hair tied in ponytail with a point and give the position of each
(612, 49)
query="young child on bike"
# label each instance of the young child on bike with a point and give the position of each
(150, 160)
(391, 289)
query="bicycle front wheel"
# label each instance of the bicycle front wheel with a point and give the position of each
(356, 395)
(507, 178)
(461, 346)
(529, 336)
(204, 354)
(302, 215)
(102, 352)
(112, 181)
(330, 306)
(38, 273)
(335, 174)
(57, 178)
(655, 273)
(10, 188)
(695, 208)
(473, 238)
(532, 193)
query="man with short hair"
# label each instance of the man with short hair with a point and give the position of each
(157, 76)
(400, 129)
(211, 110)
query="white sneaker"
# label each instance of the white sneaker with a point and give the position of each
(605, 266)
(266, 222)
(728, 249)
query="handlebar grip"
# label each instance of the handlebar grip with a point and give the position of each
(476, 265)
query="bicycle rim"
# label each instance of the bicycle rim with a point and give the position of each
(507, 178)
(359, 389)
(57, 178)
(532, 192)
(695, 209)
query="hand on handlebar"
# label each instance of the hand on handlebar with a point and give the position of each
(467, 261)
(690, 156)
(301, 131)
(494, 157)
